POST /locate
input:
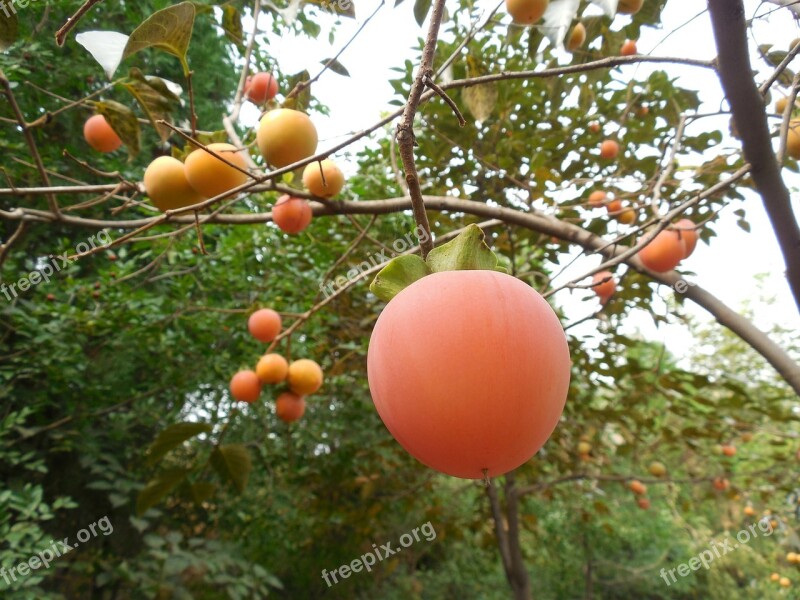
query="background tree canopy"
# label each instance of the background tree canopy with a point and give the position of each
(115, 372)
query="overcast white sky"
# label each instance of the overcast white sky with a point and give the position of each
(727, 268)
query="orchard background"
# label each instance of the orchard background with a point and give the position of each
(680, 426)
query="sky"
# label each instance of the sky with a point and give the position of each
(727, 268)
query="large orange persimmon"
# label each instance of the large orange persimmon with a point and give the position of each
(286, 136)
(526, 12)
(604, 285)
(664, 252)
(469, 371)
(688, 233)
(210, 176)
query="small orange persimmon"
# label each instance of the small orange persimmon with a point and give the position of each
(291, 214)
(100, 135)
(264, 325)
(272, 368)
(290, 407)
(305, 376)
(245, 386)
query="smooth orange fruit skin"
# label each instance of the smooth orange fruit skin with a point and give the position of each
(99, 134)
(292, 215)
(212, 177)
(780, 104)
(643, 503)
(167, 186)
(606, 289)
(594, 127)
(469, 370)
(597, 199)
(272, 368)
(286, 136)
(245, 386)
(729, 450)
(793, 139)
(637, 487)
(627, 216)
(629, 7)
(260, 87)
(663, 253)
(305, 376)
(526, 12)
(290, 407)
(687, 231)
(334, 178)
(785, 582)
(721, 484)
(264, 325)
(614, 206)
(628, 48)
(609, 149)
(577, 37)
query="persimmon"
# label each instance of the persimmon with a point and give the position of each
(286, 136)
(609, 149)
(260, 87)
(749, 511)
(775, 577)
(291, 214)
(304, 376)
(323, 179)
(627, 216)
(688, 234)
(100, 135)
(728, 450)
(264, 325)
(629, 7)
(290, 407)
(597, 198)
(642, 111)
(785, 582)
(643, 503)
(272, 368)
(628, 48)
(577, 37)
(245, 386)
(664, 252)
(780, 104)
(584, 447)
(594, 127)
(637, 487)
(614, 206)
(167, 186)
(721, 484)
(657, 469)
(469, 371)
(605, 289)
(210, 176)
(793, 139)
(526, 12)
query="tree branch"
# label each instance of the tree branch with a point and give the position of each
(749, 112)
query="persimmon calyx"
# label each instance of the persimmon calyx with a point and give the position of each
(467, 252)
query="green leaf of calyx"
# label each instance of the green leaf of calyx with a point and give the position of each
(397, 275)
(172, 437)
(232, 463)
(169, 30)
(467, 252)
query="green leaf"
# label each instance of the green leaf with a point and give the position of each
(466, 252)
(172, 437)
(202, 491)
(303, 99)
(480, 100)
(169, 30)
(421, 8)
(123, 122)
(9, 30)
(232, 24)
(157, 488)
(336, 67)
(155, 98)
(232, 463)
(398, 275)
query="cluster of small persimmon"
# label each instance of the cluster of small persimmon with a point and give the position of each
(302, 377)
(663, 253)
(284, 137)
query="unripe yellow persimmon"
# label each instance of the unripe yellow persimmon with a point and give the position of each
(210, 176)
(577, 37)
(305, 376)
(286, 136)
(166, 183)
(323, 179)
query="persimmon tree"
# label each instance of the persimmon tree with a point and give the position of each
(495, 124)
